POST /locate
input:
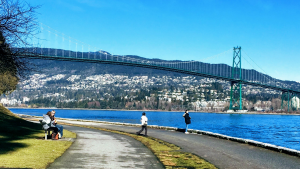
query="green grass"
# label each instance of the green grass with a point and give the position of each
(23, 145)
(169, 154)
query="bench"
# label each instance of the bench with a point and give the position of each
(46, 131)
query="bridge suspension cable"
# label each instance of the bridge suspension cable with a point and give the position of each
(209, 70)
(266, 79)
(216, 56)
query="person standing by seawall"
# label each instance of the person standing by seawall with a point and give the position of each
(187, 119)
(144, 121)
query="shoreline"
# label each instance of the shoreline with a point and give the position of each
(252, 112)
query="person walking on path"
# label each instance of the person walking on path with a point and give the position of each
(187, 120)
(144, 121)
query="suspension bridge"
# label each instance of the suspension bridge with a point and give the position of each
(233, 74)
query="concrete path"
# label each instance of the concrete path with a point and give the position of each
(100, 149)
(222, 153)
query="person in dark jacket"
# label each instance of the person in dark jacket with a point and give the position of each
(187, 119)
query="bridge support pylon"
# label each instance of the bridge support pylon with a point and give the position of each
(286, 100)
(236, 86)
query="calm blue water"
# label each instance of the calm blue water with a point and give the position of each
(281, 130)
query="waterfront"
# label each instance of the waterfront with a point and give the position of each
(281, 130)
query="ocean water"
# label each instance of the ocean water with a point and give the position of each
(280, 130)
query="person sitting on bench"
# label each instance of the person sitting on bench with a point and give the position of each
(60, 127)
(49, 124)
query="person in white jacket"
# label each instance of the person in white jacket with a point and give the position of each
(144, 121)
(49, 124)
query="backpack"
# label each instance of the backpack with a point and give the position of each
(56, 136)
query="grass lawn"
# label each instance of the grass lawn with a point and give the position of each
(23, 145)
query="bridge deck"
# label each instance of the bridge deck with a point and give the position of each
(159, 67)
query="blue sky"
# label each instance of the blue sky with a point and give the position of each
(204, 30)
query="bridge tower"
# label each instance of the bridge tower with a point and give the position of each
(236, 86)
(286, 100)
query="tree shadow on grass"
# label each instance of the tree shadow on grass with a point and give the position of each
(13, 129)
(8, 146)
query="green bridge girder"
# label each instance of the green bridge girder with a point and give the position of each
(235, 79)
(143, 65)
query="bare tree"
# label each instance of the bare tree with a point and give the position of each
(17, 27)
(276, 104)
(17, 22)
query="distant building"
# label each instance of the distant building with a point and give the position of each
(295, 101)
(26, 99)
(4, 101)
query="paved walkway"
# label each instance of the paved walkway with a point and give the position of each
(100, 149)
(222, 153)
